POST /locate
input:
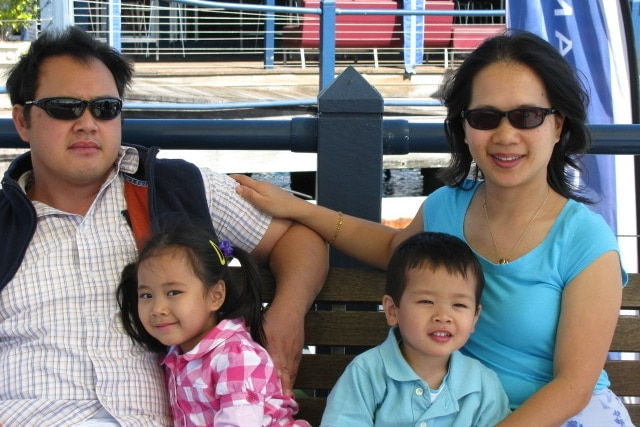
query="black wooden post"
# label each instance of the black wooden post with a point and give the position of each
(350, 128)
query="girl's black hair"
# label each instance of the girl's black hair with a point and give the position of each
(242, 298)
(565, 91)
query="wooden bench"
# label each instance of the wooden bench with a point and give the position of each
(331, 325)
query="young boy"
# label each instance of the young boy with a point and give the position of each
(417, 376)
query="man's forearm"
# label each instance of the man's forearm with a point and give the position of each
(299, 262)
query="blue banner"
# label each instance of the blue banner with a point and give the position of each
(413, 26)
(591, 38)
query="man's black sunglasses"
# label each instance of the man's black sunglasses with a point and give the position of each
(521, 118)
(72, 108)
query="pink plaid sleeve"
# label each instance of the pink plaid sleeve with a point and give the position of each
(227, 380)
(246, 376)
(240, 416)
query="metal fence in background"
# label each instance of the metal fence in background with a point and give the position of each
(170, 28)
(192, 29)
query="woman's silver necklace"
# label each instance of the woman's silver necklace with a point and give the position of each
(507, 259)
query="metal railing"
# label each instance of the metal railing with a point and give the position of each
(349, 169)
(193, 28)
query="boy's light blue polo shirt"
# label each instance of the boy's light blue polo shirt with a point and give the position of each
(379, 388)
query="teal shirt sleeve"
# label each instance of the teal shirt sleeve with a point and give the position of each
(493, 403)
(354, 398)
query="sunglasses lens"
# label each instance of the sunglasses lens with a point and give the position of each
(64, 109)
(483, 119)
(106, 109)
(521, 118)
(526, 118)
(71, 108)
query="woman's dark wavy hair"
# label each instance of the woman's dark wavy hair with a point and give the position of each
(564, 89)
(23, 79)
(242, 299)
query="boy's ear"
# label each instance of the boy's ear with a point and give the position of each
(477, 316)
(217, 295)
(390, 310)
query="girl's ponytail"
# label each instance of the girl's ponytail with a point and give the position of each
(244, 299)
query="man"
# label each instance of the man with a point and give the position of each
(71, 213)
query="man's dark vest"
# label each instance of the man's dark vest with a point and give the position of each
(160, 191)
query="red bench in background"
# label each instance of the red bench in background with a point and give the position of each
(467, 37)
(368, 31)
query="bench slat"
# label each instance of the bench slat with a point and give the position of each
(311, 409)
(353, 285)
(343, 285)
(624, 376)
(321, 371)
(634, 412)
(627, 334)
(631, 293)
(350, 328)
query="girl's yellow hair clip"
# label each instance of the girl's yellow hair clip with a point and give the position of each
(223, 251)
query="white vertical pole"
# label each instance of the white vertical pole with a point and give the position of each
(56, 14)
(115, 24)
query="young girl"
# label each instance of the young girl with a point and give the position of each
(180, 294)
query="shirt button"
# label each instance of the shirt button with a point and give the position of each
(420, 392)
(423, 424)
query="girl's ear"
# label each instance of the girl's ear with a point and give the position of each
(390, 310)
(216, 295)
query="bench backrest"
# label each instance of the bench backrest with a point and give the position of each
(469, 37)
(438, 29)
(367, 31)
(355, 31)
(625, 374)
(346, 320)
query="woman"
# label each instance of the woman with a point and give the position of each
(515, 123)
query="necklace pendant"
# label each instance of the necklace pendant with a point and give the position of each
(502, 261)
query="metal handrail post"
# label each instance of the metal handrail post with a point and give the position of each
(327, 42)
(269, 36)
(350, 136)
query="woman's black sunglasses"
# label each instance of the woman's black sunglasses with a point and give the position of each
(72, 108)
(521, 118)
